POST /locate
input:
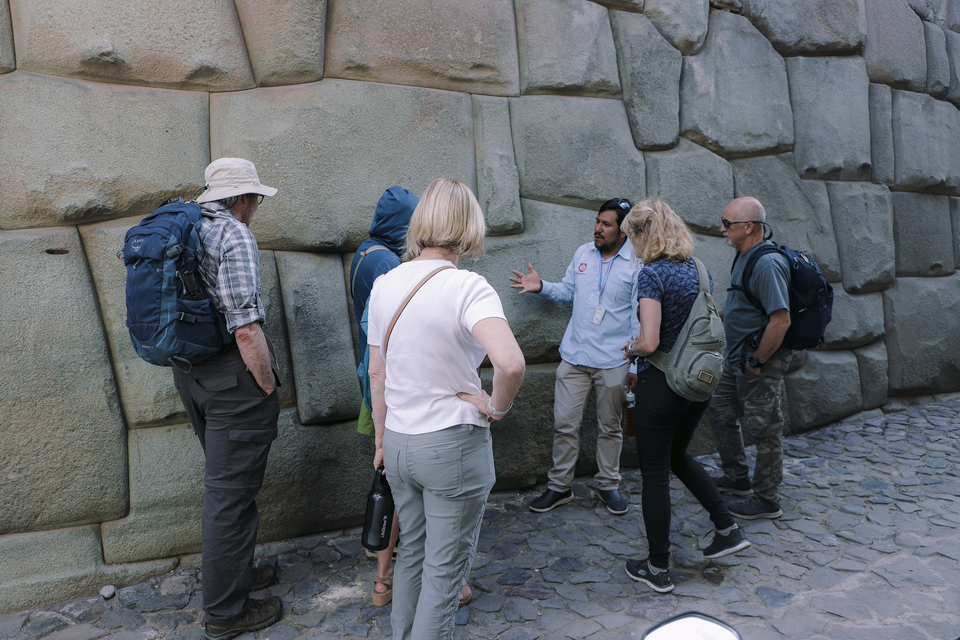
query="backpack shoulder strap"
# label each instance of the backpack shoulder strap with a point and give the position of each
(744, 285)
(363, 254)
(403, 305)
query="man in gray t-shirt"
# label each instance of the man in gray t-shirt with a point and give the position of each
(749, 389)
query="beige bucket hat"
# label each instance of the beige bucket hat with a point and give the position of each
(228, 177)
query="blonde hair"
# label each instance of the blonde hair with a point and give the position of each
(657, 232)
(448, 217)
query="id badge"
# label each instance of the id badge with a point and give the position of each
(597, 314)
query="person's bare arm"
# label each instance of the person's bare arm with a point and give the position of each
(495, 337)
(772, 336)
(527, 282)
(377, 370)
(256, 355)
(649, 340)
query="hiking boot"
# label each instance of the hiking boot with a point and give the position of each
(260, 615)
(614, 501)
(755, 507)
(737, 488)
(263, 577)
(551, 499)
(639, 570)
(725, 545)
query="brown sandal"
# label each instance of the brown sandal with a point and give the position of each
(465, 598)
(380, 599)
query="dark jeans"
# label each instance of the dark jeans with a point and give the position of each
(235, 423)
(665, 425)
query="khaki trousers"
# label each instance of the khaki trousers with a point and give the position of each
(570, 399)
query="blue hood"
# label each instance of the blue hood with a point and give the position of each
(392, 217)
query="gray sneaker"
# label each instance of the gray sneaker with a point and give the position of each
(755, 507)
(725, 545)
(639, 570)
(726, 485)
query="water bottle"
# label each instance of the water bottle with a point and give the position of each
(629, 403)
(379, 518)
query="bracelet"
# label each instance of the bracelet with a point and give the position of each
(496, 413)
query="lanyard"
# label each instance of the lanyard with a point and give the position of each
(602, 279)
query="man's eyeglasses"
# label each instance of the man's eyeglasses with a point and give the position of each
(728, 223)
(259, 198)
(623, 204)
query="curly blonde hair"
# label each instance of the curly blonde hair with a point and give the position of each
(448, 217)
(657, 232)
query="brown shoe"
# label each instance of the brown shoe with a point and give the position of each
(381, 598)
(262, 614)
(263, 577)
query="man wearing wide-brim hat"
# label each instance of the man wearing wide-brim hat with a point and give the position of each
(232, 402)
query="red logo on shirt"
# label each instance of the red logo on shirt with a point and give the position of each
(583, 267)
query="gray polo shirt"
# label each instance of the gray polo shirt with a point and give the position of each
(769, 283)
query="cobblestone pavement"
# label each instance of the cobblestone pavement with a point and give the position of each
(868, 547)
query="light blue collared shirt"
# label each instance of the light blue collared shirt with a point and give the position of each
(598, 345)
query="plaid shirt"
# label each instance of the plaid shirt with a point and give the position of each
(230, 266)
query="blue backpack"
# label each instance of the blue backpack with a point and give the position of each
(170, 318)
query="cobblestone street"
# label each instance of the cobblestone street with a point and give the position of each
(868, 547)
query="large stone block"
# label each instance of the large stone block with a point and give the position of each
(551, 235)
(938, 64)
(926, 134)
(952, 44)
(458, 46)
(564, 146)
(315, 304)
(923, 234)
(523, 440)
(797, 210)
(498, 183)
(734, 97)
(284, 39)
(683, 23)
(47, 566)
(650, 76)
(825, 389)
(316, 480)
(146, 391)
(881, 134)
(895, 49)
(566, 46)
(863, 224)
(857, 320)
(921, 337)
(831, 117)
(717, 256)
(955, 225)
(323, 146)
(799, 27)
(132, 42)
(166, 497)
(8, 61)
(52, 152)
(696, 183)
(872, 363)
(951, 14)
(62, 454)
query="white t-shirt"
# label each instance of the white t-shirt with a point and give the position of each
(432, 353)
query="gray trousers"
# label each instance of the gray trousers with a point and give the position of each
(440, 484)
(754, 402)
(235, 423)
(571, 393)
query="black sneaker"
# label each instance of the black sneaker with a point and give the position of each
(551, 499)
(263, 577)
(614, 501)
(639, 570)
(262, 614)
(755, 507)
(725, 545)
(726, 485)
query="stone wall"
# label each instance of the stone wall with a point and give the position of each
(840, 115)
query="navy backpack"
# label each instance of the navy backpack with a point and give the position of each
(171, 320)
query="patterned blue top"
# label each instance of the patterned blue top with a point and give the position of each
(675, 285)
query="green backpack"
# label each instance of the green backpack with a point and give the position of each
(693, 366)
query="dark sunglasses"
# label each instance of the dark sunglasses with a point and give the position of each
(624, 204)
(727, 223)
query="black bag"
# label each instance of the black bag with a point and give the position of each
(811, 296)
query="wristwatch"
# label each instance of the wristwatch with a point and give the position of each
(754, 362)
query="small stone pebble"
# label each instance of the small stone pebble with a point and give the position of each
(108, 592)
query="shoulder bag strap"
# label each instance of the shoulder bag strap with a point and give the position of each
(403, 305)
(363, 255)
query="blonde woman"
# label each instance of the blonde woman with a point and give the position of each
(666, 422)
(431, 416)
